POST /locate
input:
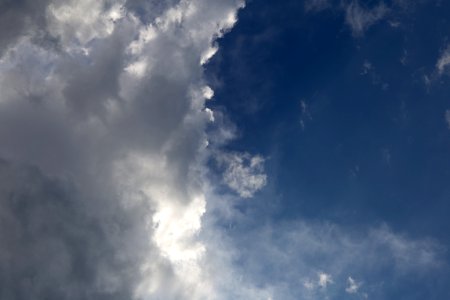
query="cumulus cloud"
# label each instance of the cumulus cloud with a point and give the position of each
(103, 137)
(56, 245)
(324, 279)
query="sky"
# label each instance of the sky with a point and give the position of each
(224, 149)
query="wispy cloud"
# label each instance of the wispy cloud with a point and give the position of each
(243, 173)
(443, 61)
(316, 5)
(447, 117)
(353, 286)
(360, 18)
(317, 260)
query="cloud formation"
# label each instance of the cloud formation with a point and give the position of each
(316, 5)
(353, 286)
(443, 61)
(103, 137)
(104, 182)
(243, 173)
(306, 260)
(360, 18)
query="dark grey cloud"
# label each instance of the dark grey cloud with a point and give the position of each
(22, 17)
(57, 245)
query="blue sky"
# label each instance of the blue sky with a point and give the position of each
(348, 122)
(353, 123)
(224, 149)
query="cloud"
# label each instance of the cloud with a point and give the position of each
(443, 61)
(243, 173)
(148, 11)
(56, 245)
(369, 70)
(324, 279)
(447, 118)
(316, 5)
(307, 260)
(305, 114)
(353, 286)
(440, 69)
(19, 18)
(361, 15)
(367, 67)
(104, 181)
(103, 146)
(360, 18)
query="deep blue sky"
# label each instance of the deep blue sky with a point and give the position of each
(370, 144)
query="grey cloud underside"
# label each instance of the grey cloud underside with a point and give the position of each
(58, 244)
(24, 18)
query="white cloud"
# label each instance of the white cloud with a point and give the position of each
(208, 54)
(367, 67)
(353, 286)
(208, 93)
(360, 18)
(294, 251)
(447, 117)
(441, 68)
(324, 279)
(308, 284)
(83, 20)
(243, 173)
(443, 61)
